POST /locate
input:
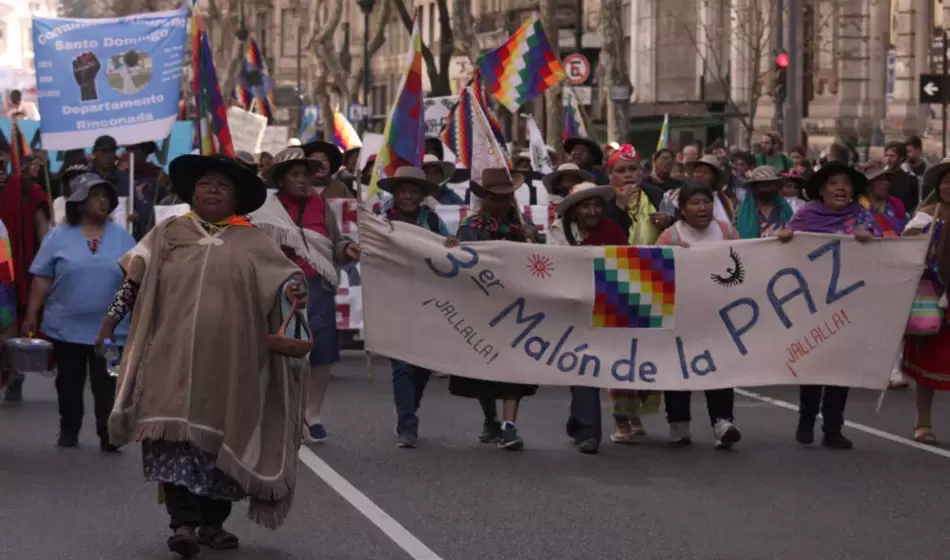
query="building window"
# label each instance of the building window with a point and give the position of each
(289, 27)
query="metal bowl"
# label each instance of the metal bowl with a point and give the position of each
(29, 355)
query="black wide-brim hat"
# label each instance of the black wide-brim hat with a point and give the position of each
(185, 171)
(859, 182)
(596, 152)
(334, 155)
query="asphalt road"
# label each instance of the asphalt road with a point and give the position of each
(455, 499)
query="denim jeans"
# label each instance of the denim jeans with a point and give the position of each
(409, 382)
(584, 421)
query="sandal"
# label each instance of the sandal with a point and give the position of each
(925, 435)
(184, 542)
(217, 538)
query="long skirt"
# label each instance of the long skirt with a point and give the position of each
(181, 464)
(927, 359)
(489, 390)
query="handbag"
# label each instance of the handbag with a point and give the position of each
(283, 345)
(926, 316)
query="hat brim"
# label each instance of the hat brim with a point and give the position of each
(859, 182)
(596, 152)
(276, 172)
(332, 152)
(934, 174)
(878, 173)
(389, 185)
(716, 169)
(550, 179)
(604, 192)
(482, 192)
(74, 198)
(185, 171)
(753, 183)
(448, 168)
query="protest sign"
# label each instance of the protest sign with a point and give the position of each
(819, 310)
(437, 110)
(275, 139)
(163, 213)
(247, 129)
(116, 76)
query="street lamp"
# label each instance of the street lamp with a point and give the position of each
(367, 7)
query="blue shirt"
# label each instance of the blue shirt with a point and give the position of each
(84, 284)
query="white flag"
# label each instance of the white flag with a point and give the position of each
(540, 159)
(486, 153)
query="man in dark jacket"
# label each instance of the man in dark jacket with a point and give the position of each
(903, 185)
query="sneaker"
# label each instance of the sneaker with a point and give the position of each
(106, 447)
(805, 434)
(408, 441)
(315, 434)
(622, 436)
(509, 439)
(727, 434)
(67, 440)
(836, 441)
(898, 380)
(679, 433)
(636, 426)
(491, 432)
(588, 446)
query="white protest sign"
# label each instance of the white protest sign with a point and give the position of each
(247, 129)
(372, 142)
(274, 139)
(437, 110)
(821, 309)
(163, 213)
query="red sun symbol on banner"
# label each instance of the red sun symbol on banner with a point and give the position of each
(540, 266)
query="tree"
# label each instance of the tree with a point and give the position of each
(330, 79)
(437, 68)
(83, 9)
(613, 65)
(738, 51)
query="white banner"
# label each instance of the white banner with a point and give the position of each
(247, 129)
(818, 310)
(274, 139)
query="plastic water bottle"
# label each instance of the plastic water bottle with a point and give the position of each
(113, 357)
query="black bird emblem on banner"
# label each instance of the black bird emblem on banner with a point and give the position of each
(735, 274)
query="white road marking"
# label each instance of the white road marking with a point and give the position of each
(396, 532)
(854, 426)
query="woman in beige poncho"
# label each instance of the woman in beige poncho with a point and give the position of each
(218, 413)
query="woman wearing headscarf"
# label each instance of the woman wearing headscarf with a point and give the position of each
(211, 383)
(304, 224)
(764, 212)
(496, 220)
(75, 275)
(583, 221)
(697, 224)
(926, 359)
(833, 190)
(634, 208)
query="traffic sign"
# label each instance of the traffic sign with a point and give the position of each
(933, 88)
(577, 67)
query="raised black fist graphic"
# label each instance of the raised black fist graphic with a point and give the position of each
(85, 68)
